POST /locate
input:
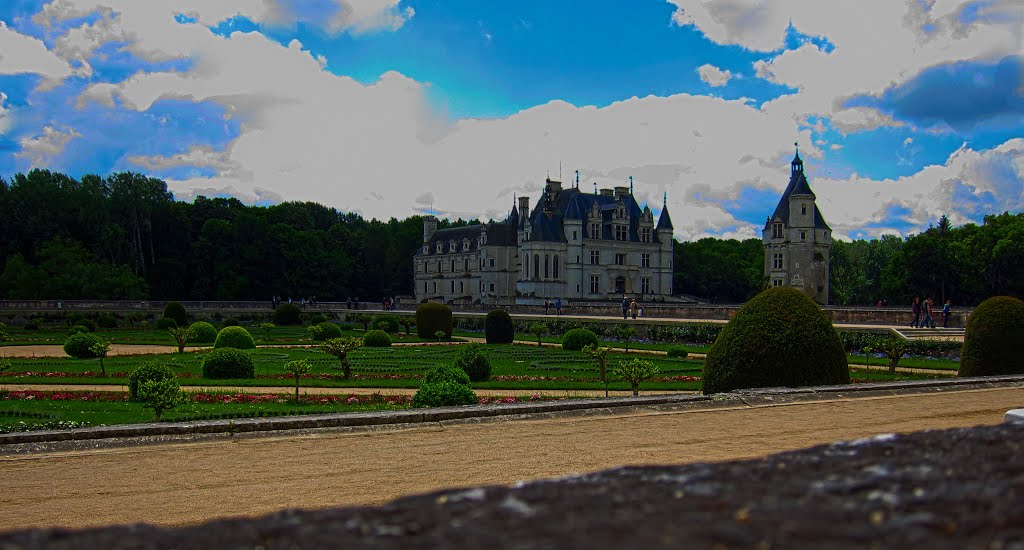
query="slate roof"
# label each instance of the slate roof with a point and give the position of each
(548, 218)
(498, 234)
(797, 186)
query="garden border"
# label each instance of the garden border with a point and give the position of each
(170, 432)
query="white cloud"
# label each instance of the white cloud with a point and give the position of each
(861, 118)
(20, 54)
(371, 15)
(41, 149)
(5, 115)
(714, 76)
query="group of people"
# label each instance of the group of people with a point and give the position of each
(631, 308)
(927, 308)
(557, 305)
(303, 302)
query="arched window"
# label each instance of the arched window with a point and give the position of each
(536, 266)
(554, 267)
(547, 266)
(526, 266)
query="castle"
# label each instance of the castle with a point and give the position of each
(797, 240)
(573, 245)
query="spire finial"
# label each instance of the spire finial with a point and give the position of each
(577, 179)
(664, 200)
(595, 188)
(630, 185)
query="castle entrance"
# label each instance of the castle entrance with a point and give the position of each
(620, 285)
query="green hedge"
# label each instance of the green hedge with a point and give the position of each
(578, 338)
(176, 311)
(475, 363)
(376, 339)
(431, 318)
(234, 337)
(499, 328)
(202, 332)
(994, 330)
(228, 363)
(324, 331)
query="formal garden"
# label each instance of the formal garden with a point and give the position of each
(222, 364)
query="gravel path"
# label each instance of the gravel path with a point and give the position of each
(189, 483)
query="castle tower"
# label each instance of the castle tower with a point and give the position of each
(797, 241)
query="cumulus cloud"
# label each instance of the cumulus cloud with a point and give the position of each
(714, 76)
(21, 54)
(5, 115)
(41, 149)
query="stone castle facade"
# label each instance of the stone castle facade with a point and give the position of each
(573, 245)
(797, 241)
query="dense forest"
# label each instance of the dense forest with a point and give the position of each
(125, 237)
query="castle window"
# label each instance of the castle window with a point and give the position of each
(465, 265)
(439, 247)
(492, 262)
(554, 267)
(453, 287)
(462, 287)
(645, 235)
(803, 235)
(574, 235)
(465, 244)
(621, 233)
(439, 266)
(595, 284)
(777, 231)
(803, 209)
(536, 266)
(777, 261)
(595, 231)
(451, 246)
(426, 249)
(547, 266)
(492, 287)
(645, 285)
(453, 266)
(595, 257)
(435, 287)
(645, 260)
(620, 259)
(776, 282)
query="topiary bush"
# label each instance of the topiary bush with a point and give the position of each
(79, 345)
(677, 352)
(448, 373)
(376, 339)
(230, 322)
(387, 323)
(994, 330)
(89, 324)
(78, 329)
(324, 331)
(176, 311)
(166, 323)
(577, 338)
(475, 363)
(228, 363)
(779, 338)
(498, 327)
(106, 320)
(316, 319)
(444, 386)
(234, 337)
(202, 332)
(431, 318)
(145, 373)
(287, 314)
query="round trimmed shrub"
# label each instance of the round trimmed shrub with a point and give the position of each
(317, 318)
(387, 323)
(77, 345)
(287, 314)
(147, 373)
(431, 318)
(677, 352)
(994, 330)
(78, 329)
(176, 311)
(228, 363)
(89, 324)
(230, 322)
(106, 320)
(444, 394)
(442, 373)
(324, 331)
(779, 338)
(202, 332)
(498, 327)
(578, 338)
(376, 339)
(475, 363)
(234, 337)
(166, 323)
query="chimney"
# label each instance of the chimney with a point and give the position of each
(607, 193)
(524, 208)
(621, 191)
(429, 228)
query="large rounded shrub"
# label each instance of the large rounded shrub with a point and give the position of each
(228, 363)
(578, 338)
(201, 332)
(994, 330)
(387, 323)
(475, 363)
(287, 314)
(448, 373)
(176, 311)
(106, 320)
(498, 327)
(431, 318)
(77, 345)
(234, 337)
(376, 339)
(150, 372)
(444, 386)
(166, 323)
(316, 319)
(324, 331)
(779, 338)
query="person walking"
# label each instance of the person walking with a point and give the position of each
(547, 303)
(945, 314)
(929, 320)
(915, 308)
(558, 307)
(625, 306)
(632, 309)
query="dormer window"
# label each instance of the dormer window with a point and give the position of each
(483, 239)
(777, 231)
(451, 246)
(426, 249)
(465, 245)
(440, 248)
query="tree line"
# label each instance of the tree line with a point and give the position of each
(125, 237)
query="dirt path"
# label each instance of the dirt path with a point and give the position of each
(54, 350)
(188, 483)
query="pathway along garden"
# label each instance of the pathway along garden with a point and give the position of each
(190, 483)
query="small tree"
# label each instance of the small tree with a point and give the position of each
(407, 323)
(340, 347)
(635, 371)
(894, 349)
(626, 334)
(600, 354)
(100, 348)
(181, 335)
(267, 328)
(362, 319)
(538, 330)
(868, 350)
(160, 395)
(297, 368)
(3, 333)
(439, 335)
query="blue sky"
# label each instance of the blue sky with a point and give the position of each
(903, 111)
